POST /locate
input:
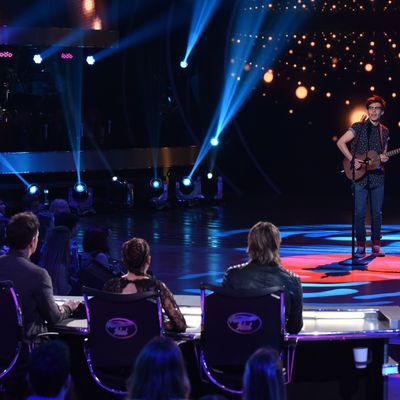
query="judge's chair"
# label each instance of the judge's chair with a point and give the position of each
(11, 344)
(234, 324)
(119, 325)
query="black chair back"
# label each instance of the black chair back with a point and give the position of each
(11, 328)
(237, 323)
(120, 325)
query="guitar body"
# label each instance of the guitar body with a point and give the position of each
(371, 160)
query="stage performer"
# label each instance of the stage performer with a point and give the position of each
(364, 137)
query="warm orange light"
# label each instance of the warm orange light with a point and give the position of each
(301, 92)
(269, 76)
(356, 114)
(312, 88)
(88, 6)
(368, 67)
(372, 88)
(97, 24)
(328, 94)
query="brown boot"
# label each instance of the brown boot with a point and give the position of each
(360, 251)
(376, 249)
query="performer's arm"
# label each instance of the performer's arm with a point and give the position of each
(342, 143)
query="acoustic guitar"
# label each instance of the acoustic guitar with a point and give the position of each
(371, 161)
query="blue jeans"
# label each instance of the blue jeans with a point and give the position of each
(375, 196)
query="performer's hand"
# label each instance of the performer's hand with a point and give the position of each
(383, 157)
(358, 163)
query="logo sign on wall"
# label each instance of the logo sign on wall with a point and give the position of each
(121, 328)
(244, 323)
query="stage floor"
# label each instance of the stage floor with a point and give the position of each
(194, 245)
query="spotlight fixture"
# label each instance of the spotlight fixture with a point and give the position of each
(115, 178)
(37, 59)
(80, 191)
(159, 194)
(187, 181)
(33, 189)
(183, 64)
(156, 183)
(90, 60)
(189, 191)
(80, 198)
(209, 175)
(214, 141)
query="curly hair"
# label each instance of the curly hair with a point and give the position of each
(134, 254)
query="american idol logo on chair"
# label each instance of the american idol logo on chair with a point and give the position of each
(244, 323)
(121, 328)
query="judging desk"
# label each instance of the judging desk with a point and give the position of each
(324, 364)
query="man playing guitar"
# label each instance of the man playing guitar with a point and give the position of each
(367, 137)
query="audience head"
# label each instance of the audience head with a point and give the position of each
(159, 372)
(31, 202)
(59, 206)
(68, 220)
(57, 249)
(263, 378)
(136, 255)
(96, 240)
(49, 369)
(263, 244)
(22, 231)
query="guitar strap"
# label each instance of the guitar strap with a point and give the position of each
(383, 148)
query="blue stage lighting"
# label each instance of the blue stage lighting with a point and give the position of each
(80, 187)
(186, 181)
(214, 141)
(90, 60)
(209, 175)
(183, 64)
(37, 59)
(32, 189)
(156, 183)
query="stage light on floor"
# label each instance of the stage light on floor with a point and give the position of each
(90, 60)
(159, 194)
(214, 141)
(156, 183)
(183, 64)
(33, 189)
(188, 191)
(37, 59)
(187, 181)
(80, 198)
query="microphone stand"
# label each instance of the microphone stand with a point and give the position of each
(353, 261)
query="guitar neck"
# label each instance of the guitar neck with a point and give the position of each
(393, 152)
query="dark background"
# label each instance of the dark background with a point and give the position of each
(140, 97)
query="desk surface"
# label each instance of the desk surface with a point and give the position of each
(329, 323)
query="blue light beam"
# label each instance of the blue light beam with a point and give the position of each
(7, 164)
(202, 12)
(146, 32)
(239, 83)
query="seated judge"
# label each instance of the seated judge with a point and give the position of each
(136, 258)
(31, 282)
(263, 270)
